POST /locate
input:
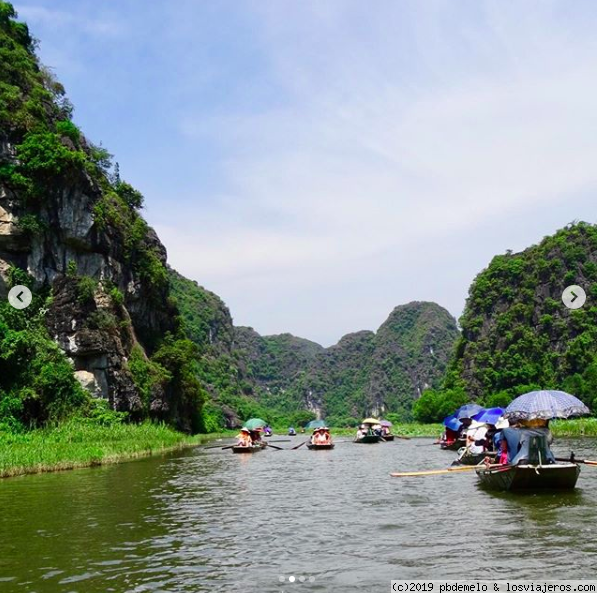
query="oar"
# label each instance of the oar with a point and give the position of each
(274, 447)
(215, 447)
(573, 460)
(228, 447)
(428, 444)
(451, 470)
(282, 441)
(298, 446)
(399, 436)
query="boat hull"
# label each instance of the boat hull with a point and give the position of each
(246, 450)
(530, 478)
(469, 459)
(320, 447)
(453, 446)
(388, 437)
(368, 440)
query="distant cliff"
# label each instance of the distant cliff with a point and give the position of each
(516, 332)
(365, 372)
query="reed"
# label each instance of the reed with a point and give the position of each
(578, 427)
(78, 443)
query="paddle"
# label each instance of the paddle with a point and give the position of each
(282, 441)
(398, 436)
(274, 447)
(298, 446)
(450, 470)
(571, 459)
(214, 447)
(228, 447)
(428, 444)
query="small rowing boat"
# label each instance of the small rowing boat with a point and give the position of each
(315, 447)
(451, 445)
(250, 449)
(368, 439)
(388, 437)
(553, 476)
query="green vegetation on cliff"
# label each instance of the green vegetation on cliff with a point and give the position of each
(517, 335)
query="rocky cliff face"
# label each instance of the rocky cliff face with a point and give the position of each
(71, 229)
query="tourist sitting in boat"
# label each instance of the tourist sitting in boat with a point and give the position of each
(291, 432)
(244, 438)
(256, 437)
(520, 446)
(321, 438)
(361, 432)
(475, 438)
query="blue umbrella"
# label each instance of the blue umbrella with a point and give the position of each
(489, 416)
(452, 423)
(545, 405)
(468, 411)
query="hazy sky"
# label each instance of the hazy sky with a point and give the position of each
(318, 163)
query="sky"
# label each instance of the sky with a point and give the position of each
(318, 163)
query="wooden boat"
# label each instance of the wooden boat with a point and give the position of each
(251, 449)
(368, 439)
(257, 446)
(474, 459)
(388, 437)
(315, 447)
(453, 446)
(555, 476)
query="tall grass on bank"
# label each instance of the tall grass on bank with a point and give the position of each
(579, 427)
(80, 443)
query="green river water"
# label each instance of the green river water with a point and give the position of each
(208, 520)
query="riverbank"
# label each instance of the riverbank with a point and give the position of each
(78, 444)
(578, 427)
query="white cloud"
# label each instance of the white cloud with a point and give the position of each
(363, 164)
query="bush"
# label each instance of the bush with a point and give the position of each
(132, 197)
(102, 319)
(86, 287)
(434, 406)
(44, 158)
(116, 296)
(68, 129)
(31, 225)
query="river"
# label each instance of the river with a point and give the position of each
(208, 520)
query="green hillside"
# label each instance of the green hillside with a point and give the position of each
(516, 332)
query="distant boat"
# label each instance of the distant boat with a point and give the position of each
(250, 449)
(368, 439)
(315, 447)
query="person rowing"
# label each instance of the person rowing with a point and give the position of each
(244, 438)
